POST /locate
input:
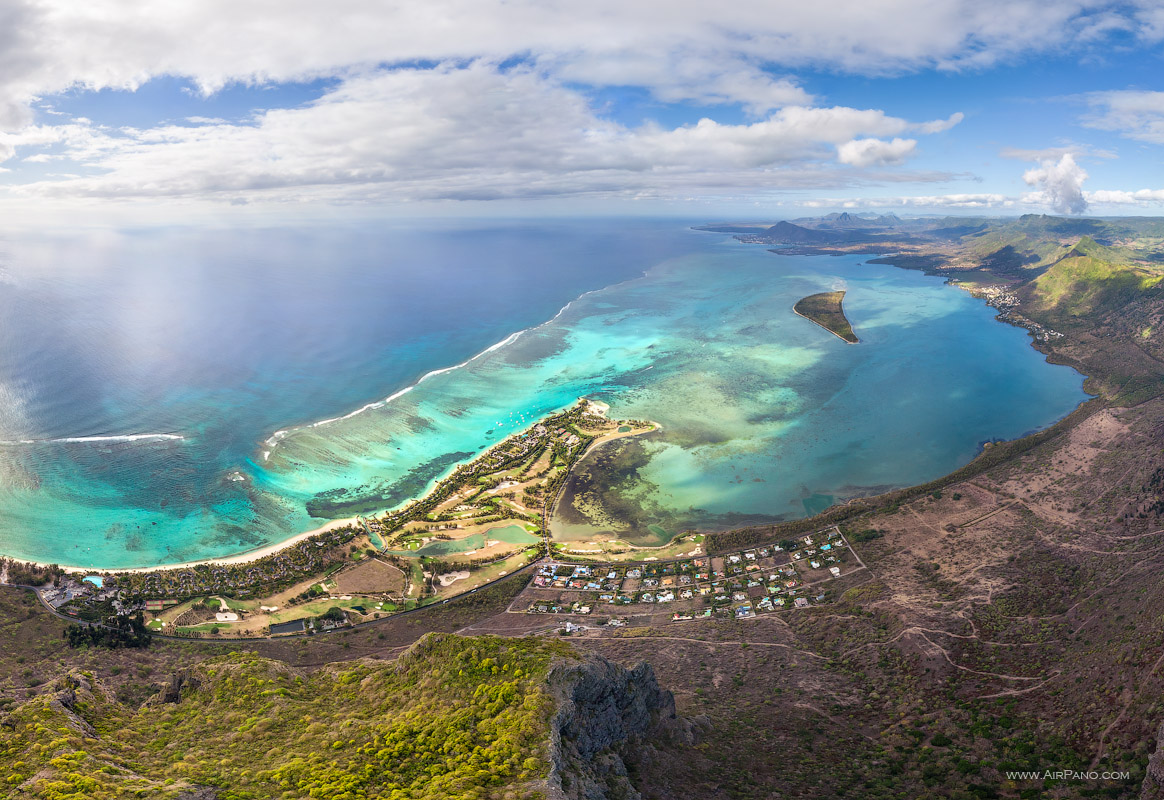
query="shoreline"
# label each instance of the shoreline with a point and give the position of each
(283, 544)
(814, 322)
(238, 558)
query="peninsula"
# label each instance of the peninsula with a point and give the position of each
(825, 309)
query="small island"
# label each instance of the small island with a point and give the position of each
(825, 310)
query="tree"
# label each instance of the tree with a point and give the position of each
(334, 614)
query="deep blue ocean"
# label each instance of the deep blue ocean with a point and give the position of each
(144, 375)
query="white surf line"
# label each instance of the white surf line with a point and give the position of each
(278, 436)
(128, 437)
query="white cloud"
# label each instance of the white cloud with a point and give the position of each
(1054, 153)
(465, 128)
(1132, 113)
(461, 132)
(933, 201)
(870, 152)
(940, 125)
(1058, 185)
(679, 49)
(1140, 197)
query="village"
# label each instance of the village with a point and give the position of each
(1006, 301)
(788, 574)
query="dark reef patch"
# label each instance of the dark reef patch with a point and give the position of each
(339, 503)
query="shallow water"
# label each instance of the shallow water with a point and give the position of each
(765, 415)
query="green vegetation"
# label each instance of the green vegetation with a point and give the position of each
(454, 717)
(825, 309)
(1089, 278)
(128, 632)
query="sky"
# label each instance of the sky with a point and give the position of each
(144, 110)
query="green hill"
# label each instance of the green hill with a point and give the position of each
(1090, 277)
(453, 717)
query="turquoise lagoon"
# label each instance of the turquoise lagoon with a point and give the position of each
(764, 415)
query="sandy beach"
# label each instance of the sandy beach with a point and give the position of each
(241, 558)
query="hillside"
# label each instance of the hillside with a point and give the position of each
(1089, 278)
(452, 717)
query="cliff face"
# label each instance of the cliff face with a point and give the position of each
(609, 718)
(1153, 786)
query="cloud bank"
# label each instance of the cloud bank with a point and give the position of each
(488, 99)
(468, 132)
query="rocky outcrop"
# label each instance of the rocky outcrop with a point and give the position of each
(172, 691)
(64, 701)
(608, 718)
(1153, 786)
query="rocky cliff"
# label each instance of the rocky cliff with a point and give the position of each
(609, 719)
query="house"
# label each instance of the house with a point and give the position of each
(801, 602)
(836, 571)
(814, 564)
